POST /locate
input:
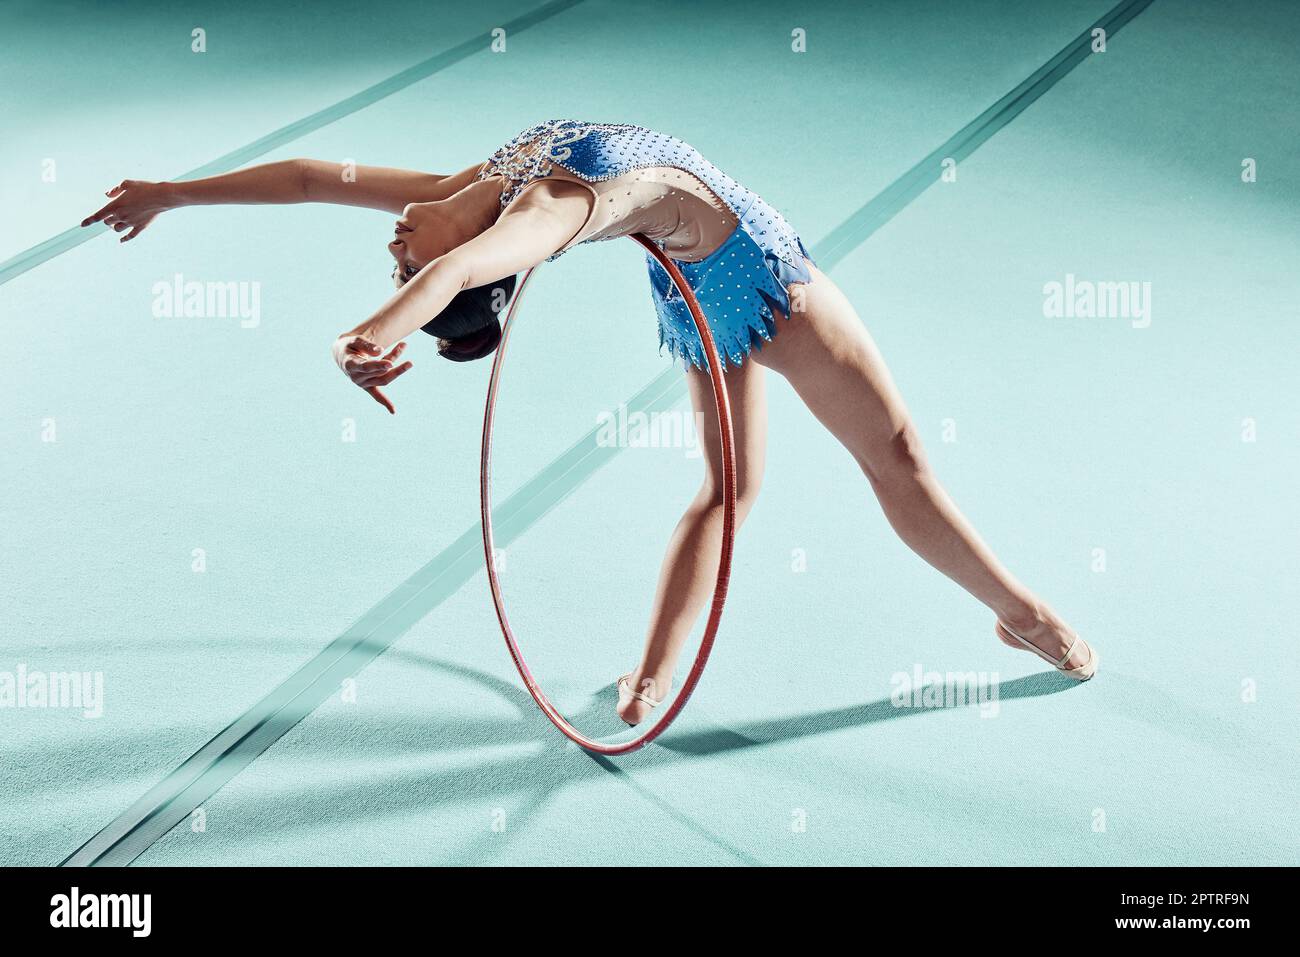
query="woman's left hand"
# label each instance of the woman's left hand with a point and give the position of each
(360, 360)
(134, 203)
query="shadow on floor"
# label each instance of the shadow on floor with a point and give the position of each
(755, 734)
(534, 778)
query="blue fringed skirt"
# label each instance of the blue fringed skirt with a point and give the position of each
(740, 288)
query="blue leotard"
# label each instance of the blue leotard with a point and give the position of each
(741, 284)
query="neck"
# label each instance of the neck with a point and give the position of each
(474, 208)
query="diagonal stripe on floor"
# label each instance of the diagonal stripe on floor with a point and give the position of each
(71, 238)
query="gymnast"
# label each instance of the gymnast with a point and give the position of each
(461, 240)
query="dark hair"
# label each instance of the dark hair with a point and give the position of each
(469, 327)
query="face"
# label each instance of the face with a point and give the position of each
(420, 236)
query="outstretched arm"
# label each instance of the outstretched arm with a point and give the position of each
(135, 203)
(536, 226)
(521, 238)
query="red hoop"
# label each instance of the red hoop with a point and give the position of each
(728, 521)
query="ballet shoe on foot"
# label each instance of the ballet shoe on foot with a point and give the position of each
(1080, 673)
(627, 695)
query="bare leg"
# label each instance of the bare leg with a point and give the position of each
(690, 567)
(831, 361)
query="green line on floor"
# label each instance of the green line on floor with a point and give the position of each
(71, 238)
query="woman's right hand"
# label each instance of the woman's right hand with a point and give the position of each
(134, 205)
(361, 361)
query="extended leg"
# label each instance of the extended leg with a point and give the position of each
(827, 355)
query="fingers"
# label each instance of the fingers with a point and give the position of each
(355, 364)
(98, 215)
(362, 362)
(134, 233)
(376, 373)
(382, 400)
(391, 374)
(359, 371)
(105, 214)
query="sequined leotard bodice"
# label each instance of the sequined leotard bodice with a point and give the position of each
(640, 181)
(737, 252)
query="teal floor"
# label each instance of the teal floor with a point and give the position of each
(1106, 463)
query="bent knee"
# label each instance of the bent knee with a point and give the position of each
(746, 495)
(900, 456)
